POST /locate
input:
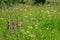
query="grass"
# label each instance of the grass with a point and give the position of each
(39, 22)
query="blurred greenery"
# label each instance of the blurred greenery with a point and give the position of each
(6, 3)
(40, 22)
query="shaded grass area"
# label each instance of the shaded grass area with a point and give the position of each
(40, 22)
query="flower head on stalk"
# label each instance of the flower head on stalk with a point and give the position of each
(8, 22)
(14, 25)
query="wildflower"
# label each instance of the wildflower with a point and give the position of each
(30, 27)
(8, 22)
(20, 24)
(14, 26)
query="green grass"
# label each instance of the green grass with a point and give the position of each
(44, 20)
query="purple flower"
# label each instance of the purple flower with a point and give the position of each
(8, 23)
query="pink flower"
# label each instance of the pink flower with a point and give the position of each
(8, 23)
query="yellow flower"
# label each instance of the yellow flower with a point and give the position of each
(30, 27)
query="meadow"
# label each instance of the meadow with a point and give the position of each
(40, 22)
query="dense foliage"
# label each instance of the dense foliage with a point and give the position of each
(11, 2)
(40, 1)
(39, 22)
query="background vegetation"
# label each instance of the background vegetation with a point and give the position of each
(40, 22)
(6, 3)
